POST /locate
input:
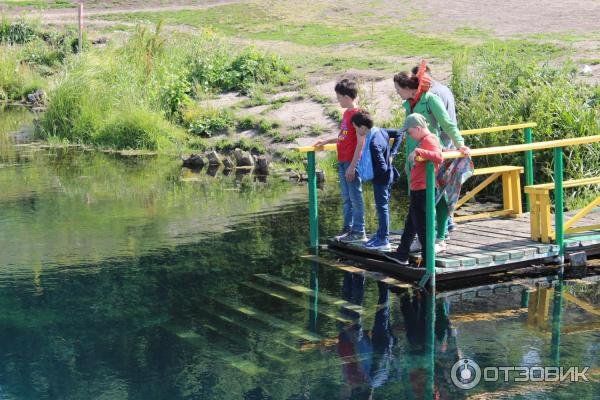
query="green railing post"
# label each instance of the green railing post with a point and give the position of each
(313, 213)
(429, 390)
(430, 222)
(525, 298)
(313, 302)
(556, 321)
(528, 165)
(558, 203)
(312, 200)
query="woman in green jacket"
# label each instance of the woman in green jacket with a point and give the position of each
(432, 108)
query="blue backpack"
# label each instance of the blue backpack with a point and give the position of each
(365, 164)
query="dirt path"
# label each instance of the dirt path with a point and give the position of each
(52, 15)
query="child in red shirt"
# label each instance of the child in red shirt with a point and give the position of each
(428, 147)
(349, 148)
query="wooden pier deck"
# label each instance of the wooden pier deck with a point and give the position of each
(480, 247)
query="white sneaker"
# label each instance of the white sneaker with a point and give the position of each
(440, 246)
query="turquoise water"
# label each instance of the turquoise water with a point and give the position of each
(128, 278)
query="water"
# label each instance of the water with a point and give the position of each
(124, 277)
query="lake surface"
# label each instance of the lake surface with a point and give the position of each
(129, 278)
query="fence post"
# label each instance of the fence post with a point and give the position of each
(312, 201)
(430, 222)
(80, 19)
(556, 320)
(528, 165)
(558, 202)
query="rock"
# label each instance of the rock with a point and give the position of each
(194, 161)
(243, 158)
(586, 70)
(213, 158)
(320, 177)
(37, 98)
(227, 163)
(100, 40)
(262, 165)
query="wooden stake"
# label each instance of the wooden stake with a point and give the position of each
(80, 48)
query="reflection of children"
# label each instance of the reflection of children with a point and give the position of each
(428, 147)
(368, 359)
(349, 148)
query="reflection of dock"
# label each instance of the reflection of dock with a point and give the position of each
(480, 247)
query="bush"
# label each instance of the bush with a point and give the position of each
(136, 129)
(209, 121)
(76, 110)
(252, 67)
(17, 32)
(217, 71)
(16, 79)
(224, 145)
(496, 88)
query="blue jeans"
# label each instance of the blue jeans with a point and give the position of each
(352, 199)
(382, 205)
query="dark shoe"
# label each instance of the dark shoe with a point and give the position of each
(342, 234)
(395, 257)
(354, 237)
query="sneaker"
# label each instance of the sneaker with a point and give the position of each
(440, 246)
(415, 246)
(378, 245)
(451, 226)
(395, 258)
(343, 234)
(371, 240)
(354, 237)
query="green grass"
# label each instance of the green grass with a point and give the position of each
(39, 3)
(329, 46)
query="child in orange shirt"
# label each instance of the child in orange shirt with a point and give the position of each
(428, 147)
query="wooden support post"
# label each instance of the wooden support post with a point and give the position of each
(545, 222)
(517, 206)
(507, 196)
(80, 19)
(534, 216)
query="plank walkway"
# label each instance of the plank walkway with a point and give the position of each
(481, 247)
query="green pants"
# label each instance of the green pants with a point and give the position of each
(441, 219)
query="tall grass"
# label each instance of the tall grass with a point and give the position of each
(17, 79)
(141, 94)
(495, 87)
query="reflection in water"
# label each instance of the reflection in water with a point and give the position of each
(369, 359)
(132, 278)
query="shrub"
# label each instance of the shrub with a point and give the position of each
(244, 144)
(16, 79)
(497, 88)
(209, 121)
(136, 129)
(17, 32)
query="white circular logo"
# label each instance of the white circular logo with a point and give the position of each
(465, 374)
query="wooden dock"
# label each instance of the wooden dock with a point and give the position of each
(479, 247)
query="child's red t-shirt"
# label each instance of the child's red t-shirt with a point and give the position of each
(346, 143)
(428, 148)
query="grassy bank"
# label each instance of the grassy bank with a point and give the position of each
(144, 94)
